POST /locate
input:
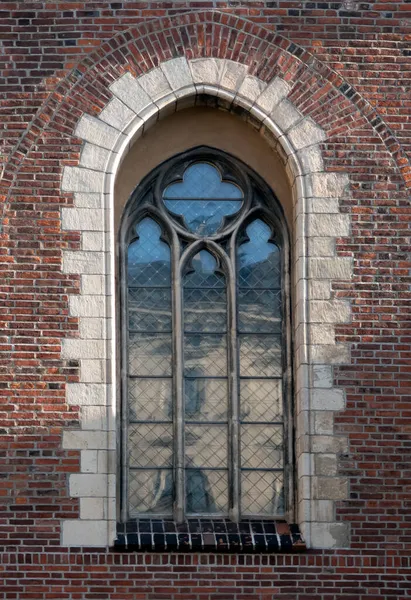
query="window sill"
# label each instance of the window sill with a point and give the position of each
(208, 535)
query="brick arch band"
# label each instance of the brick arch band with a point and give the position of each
(136, 103)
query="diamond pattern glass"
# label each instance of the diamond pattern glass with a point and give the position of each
(261, 400)
(150, 400)
(203, 199)
(259, 311)
(204, 272)
(260, 355)
(205, 399)
(148, 261)
(205, 310)
(206, 446)
(150, 491)
(262, 446)
(149, 354)
(149, 309)
(150, 445)
(262, 493)
(205, 355)
(258, 259)
(206, 491)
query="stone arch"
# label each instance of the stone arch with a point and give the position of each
(136, 104)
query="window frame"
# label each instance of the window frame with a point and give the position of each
(273, 215)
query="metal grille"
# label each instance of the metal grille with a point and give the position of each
(204, 352)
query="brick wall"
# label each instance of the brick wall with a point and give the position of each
(348, 68)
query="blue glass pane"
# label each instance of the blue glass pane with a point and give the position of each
(204, 274)
(203, 199)
(259, 260)
(148, 261)
(202, 180)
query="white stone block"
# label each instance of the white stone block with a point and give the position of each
(177, 73)
(328, 185)
(93, 241)
(321, 246)
(78, 532)
(323, 422)
(74, 439)
(319, 289)
(306, 133)
(78, 349)
(130, 92)
(92, 508)
(285, 115)
(94, 418)
(330, 268)
(88, 461)
(117, 114)
(83, 219)
(324, 224)
(96, 132)
(330, 488)
(251, 88)
(94, 157)
(106, 461)
(87, 394)
(93, 284)
(323, 510)
(329, 535)
(328, 444)
(276, 91)
(322, 376)
(77, 179)
(321, 333)
(93, 328)
(88, 306)
(79, 262)
(323, 205)
(206, 70)
(93, 371)
(311, 159)
(232, 75)
(326, 464)
(335, 355)
(328, 399)
(330, 311)
(88, 200)
(155, 84)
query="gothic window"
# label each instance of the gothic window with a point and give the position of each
(205, 350)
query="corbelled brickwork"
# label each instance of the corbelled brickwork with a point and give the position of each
(326, 84)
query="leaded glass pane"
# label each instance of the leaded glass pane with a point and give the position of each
(205, 399)
(149, 354)
(150, 400)
(150, 445)
(259, 263)
(261, 400)
(262, 493)
(150, 491)
(260, 355)
(205, 355)
(206, 491)
(206, 446)
(262, 446)
(148, 260)
(203, 199)
(259, 310)
(149, 309)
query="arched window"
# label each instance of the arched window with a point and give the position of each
(205, 351)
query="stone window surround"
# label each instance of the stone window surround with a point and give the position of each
(136, 105)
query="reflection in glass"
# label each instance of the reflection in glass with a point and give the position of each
(262, 446)
(150, 400)
(203, 199)
(205, 399)
(149, 309)
(150, 445)
(261, 400)
(259, 310)
(206, 446)
(148, 261)
(150, 491)
(149, 354)
(262, 493)
(259, 259)
(206, 492)
(260, 355)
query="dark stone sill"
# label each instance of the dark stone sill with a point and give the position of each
(208, 535)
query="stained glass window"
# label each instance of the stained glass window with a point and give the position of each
(205, 423)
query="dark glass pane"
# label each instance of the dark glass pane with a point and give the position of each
(206, 446)
(258, 259)
(262, 493)
(150, 400)
(259, 310)
(206, 491)
(205, 399)
(150, 491)
(205, 355)
(149, 354)
(262, 446)
(150, 445)
(148, 261)
(203, 199)
(260, 355)
(149, 309)
(261, 400)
